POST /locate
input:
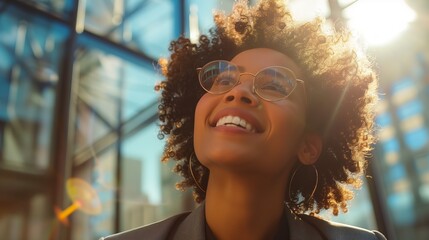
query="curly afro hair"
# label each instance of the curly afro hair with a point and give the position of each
(340, 83)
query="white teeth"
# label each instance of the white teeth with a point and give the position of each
(228, 119)
(249, 128)
(242, 123)
(234, 121)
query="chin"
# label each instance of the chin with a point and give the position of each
(221, 155)
(226, 158)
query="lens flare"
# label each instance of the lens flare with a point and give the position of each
(379, 21)
(84, 198)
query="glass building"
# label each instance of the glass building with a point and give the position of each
(77, 100)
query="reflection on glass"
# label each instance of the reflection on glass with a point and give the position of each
(133, 23)
(116, 108)
(100, 174)
(148, 192)
(110, 92)
(62, 7)
(30, 49)
(403, 156)
(200, 11)
(97, 96)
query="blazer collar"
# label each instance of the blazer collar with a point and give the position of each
(193, 226)
(299, 229)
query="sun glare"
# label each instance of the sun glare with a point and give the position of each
(379, 21)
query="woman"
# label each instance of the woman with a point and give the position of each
(267, 120)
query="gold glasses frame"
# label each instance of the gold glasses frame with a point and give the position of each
(254, 90)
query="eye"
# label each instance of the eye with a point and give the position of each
(224, 79)
(274, 82)
(273, 86)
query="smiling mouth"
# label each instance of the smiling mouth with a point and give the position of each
(235, 121)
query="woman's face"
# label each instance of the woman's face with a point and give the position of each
(270, 145)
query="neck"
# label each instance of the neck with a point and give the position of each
(239, 207)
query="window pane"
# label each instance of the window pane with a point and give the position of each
(116, 109)
(110, 92)
(132, 23)
(30, 49)
(62, 7)
(97, 98)
(138, 90)
(404, 156)
(199, 17)
(101, 175)
(148, 192)
(27, 218)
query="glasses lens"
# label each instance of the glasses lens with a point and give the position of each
(218, 77)
(275, 83)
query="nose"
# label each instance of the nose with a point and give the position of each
(243, 92)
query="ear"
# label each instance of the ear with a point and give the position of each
(310, 149)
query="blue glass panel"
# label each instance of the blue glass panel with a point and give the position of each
(204, 10)
(154, 41)
(147, 148)
(30, 53)
(422, 165)
(402, 84)
(4, 96)
(62, 7)
(403, 205)
(91, 124)
(113, 89)
(148, 185)
(397, 172)
(146, 25)
(138, 89)
(417, 139)
(101, 175)
(391, 145)
(106, 195)
(100, 79)
(410, 109)
(6, 46)
(383, 119)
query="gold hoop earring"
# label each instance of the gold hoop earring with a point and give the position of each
(315, 186)
(192, 172)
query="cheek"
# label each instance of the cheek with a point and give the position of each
(287, 128)
(202, 110)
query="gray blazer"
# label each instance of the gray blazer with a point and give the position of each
(191, 226)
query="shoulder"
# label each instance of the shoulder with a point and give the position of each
(339, 231)
(157, 230)
(189, 225)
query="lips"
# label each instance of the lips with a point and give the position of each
(236, 118)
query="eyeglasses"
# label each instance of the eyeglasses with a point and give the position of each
(272, 83)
